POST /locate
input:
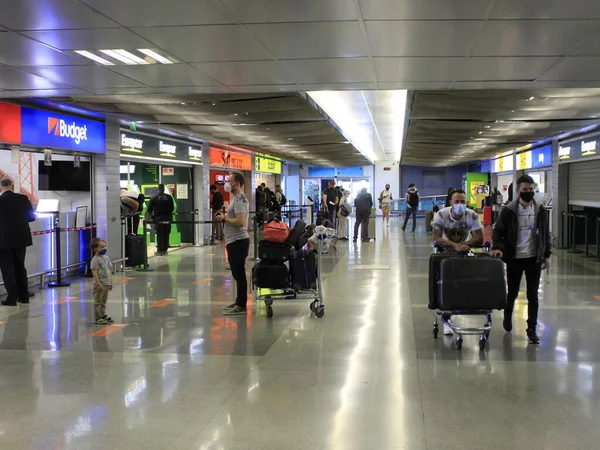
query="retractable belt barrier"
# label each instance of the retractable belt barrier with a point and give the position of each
(62, 230)
(573, 225)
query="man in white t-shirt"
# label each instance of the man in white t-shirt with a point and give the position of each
(452, 225)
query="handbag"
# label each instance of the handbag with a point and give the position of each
(276, 231)
(343, 211)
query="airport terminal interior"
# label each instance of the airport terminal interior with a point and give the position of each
(140, 126)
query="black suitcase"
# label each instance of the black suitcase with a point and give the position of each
(303, 268)
(271, 275)
(296, 232)
(135, 250)
(459, 282)
(308, 232)
(273, 251)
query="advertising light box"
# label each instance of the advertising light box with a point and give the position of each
(155, 147)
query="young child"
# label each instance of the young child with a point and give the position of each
(429, 217)
(101, 268)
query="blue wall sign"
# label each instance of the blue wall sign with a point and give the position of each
(542, 156)
(53, 130)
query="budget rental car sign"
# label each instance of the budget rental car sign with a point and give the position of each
(53, 130)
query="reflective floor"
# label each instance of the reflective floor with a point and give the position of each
(173, 373)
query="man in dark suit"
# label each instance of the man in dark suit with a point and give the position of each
(15, 236)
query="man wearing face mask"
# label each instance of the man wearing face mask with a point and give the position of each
(237, 240)
(522, 239)
(452, 225)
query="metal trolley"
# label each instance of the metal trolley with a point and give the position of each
(317, 305)
(443, 316)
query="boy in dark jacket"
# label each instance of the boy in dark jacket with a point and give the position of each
(522, 239)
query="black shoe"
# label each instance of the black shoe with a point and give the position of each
(532, 337)
(7, 303)
(366, 240)
(507, 324)
(31, 294)
(24, 301)
(355, 239)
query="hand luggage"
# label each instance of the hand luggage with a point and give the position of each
(135, 250)
(271, 275)
(487, 216)
(303, 268)
(296, 232)
(272, 251)
(276, 231)
(308, 232)
(460, 282)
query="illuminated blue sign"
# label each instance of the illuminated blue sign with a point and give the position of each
(53, 130)
(542, 156)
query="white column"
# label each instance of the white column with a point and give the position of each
(107, 206)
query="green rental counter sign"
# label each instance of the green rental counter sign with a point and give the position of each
(267, 165)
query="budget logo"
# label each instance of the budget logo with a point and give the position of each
(59, 127)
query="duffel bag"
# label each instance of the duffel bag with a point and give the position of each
(273, 251)
(270, 275)
(296, 232)
(276, 231)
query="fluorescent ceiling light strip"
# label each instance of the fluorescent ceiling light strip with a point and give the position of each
(154, 55)
(93, 57)
(119, 57)
(131, 56)
(372, 122)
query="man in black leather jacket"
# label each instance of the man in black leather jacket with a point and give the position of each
(161, 210)
(522, 239)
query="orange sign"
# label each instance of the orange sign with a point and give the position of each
(230, 160)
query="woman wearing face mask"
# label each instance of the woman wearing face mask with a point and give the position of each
(345, 209)
(237, 240)
(385, 203)
(452, 225)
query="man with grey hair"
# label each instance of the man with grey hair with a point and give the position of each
(15, 236)
(363, 204)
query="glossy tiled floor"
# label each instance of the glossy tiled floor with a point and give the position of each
(176, 374)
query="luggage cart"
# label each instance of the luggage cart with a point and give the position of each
(443, 316)
(317, 305)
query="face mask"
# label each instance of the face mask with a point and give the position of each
(102, 252)
(526, 196)
(459, 209)
(387, 188)
(227, 187)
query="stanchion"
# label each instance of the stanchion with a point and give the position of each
(198, 238)
(255, 237)
(563, 230)
(123, 235)
(597, 239)
(145, 266)
(587, 238)
(59, 281)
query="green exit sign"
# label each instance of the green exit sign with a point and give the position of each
(132, 126)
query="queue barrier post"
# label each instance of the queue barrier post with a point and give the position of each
(587, 253)
(59, 281)
(145, 267)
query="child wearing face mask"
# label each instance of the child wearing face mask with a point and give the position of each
(101, 266)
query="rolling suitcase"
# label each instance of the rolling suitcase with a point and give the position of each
(135, 250)
(303, 268)
(271, 275)
(471, 283)
(434, 276)
(487, 216)
(272, 251)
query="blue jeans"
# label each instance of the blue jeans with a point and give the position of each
(410, 211)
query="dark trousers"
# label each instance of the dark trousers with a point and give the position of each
(217, 226)
(362, 220)
(410, 212)
(237, 252)
(163, 230)
(14, 275)
(514, 273)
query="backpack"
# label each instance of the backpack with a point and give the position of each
(413, 200)
(283, 199)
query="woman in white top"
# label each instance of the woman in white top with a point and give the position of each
(345, 209)
(385, 203)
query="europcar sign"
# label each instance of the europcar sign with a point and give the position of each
(48, 129)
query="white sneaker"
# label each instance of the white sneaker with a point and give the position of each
(447, 330)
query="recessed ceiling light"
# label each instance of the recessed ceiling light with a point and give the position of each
(531, 98)
(182, 103)
(481, 132)
(235, 114)
(512, 110)
(487, 126)
(93, 57)
(152, 54)
(290, 139)
(131, 56)
(214, 104)
(593, 117)
(119, 57)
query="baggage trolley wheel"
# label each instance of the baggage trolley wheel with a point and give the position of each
(320, 311)
(314, 306)
(269, 311)
(459, 341)
(482, 342)
(436, 331)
